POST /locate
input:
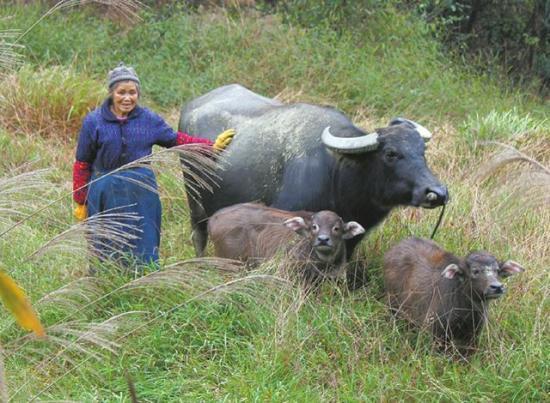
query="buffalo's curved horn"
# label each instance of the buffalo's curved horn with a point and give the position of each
(424, 133)
(350, 145)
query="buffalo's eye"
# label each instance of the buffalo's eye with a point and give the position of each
(391, 155)
(315, 228)
(336, 229)
(476, 272)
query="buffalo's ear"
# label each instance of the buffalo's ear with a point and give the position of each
(352, 229)
(509, 268)
(451, 271)
(297, 224)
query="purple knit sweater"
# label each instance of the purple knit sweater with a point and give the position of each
(107, 143)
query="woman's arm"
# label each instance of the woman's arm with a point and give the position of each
(82, 167)
(184, 138)
(82, 171)
(167, 137)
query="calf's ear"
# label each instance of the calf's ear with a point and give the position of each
(352, 229)
(451, 271)
(296, 224)
(509, 268)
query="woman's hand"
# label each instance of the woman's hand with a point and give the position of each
(224, 139)
(80, 212)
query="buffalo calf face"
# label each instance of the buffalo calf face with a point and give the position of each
(326, 232)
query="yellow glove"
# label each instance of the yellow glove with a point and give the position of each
(223, 139)
(80, 212)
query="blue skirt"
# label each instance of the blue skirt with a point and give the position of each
(131, 191)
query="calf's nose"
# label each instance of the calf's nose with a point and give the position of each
(323, 240)
(497, 288)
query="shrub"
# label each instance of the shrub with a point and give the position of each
(515, 33)
(340, 15)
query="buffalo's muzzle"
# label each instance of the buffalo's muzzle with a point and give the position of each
(323, 240)
(495, 291)
(435, 196)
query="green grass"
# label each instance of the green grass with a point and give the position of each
(258, 339)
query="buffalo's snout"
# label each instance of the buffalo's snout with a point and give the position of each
(495, 290)
(435, 196)
(323, 240)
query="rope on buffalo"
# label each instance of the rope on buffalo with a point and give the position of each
(438, 221)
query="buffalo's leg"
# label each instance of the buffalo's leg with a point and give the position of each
(199, 236)
(199, 225)
(199, 218)
(351, 245)
(199, 222)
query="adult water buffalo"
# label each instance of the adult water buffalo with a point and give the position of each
(308, 157)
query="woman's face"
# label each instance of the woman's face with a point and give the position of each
(125, 96)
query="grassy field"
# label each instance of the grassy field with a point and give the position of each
(202, 331)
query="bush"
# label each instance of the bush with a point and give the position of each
(516, 32)
(340, 15)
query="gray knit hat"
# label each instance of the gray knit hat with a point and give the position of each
(121, 73)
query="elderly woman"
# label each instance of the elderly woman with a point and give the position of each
(115, 134)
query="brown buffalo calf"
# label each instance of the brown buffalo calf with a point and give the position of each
(252, 231)
(448, 295)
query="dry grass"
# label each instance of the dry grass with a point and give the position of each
(49, 102)
(18, 194)
(112, 231)
(211, 279)
(523, 182)
(125, 8)
(75, 295)
(15, 194)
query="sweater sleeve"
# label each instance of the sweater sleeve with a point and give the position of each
(86, 148)
(167, 137)
(81, 176)
(184, 138)
(85, 155)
